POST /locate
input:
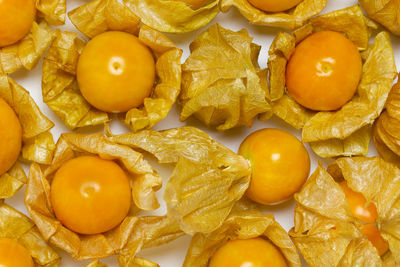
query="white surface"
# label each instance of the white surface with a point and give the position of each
(172, 254)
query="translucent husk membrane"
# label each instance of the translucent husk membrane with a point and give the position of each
(37, 141)
(347, 131)
(60, 88)
(327, 233)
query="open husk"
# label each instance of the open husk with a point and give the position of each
(386, 12)
(37, 141)
(17, 226)
(133, 234)
(207, 179)
(327, 233)
(347, 131)
(291, 19)
(60, 88)
(243, 223)
(386, 138)
(173, 15)
(222, 84)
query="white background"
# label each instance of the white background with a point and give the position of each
(172, 254)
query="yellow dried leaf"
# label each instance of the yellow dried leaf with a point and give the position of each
(17, 226)
(207, 180)
(242, 223)
(386, 12)
(171, 15)
(133, 234)
(345, 132)
(37, 143)
(222, 84)
(290, 19)
(53, 11)
(327, 233)
(27, 52)
(60, 88)
(96, 263)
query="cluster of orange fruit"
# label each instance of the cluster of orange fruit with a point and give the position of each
(92, 195)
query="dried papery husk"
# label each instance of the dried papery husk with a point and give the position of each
(327, 233)
(290, 19)
(60, 88)
(207, 179)
(37, 141)
(17, 226)
(144, 181)
(244, 222)
(173, 16)
(222, 84)
(347, 131)
(386, 12)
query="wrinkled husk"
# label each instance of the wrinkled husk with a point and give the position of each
(172, 15)
(17, 226)
(96, 263)
(222, 84)
(53, 11)
(386, 131)
(27, 52)
(290, 19)
(60, 88)
(386, 12)
(207, 180)
(244, 222)
(327, 233)
(345, 132)
(133, 234)
(37, 141)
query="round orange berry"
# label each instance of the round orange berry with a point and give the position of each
(13, 254)
(116, 72)
(274, 5)
(90, 195)
(324, 71)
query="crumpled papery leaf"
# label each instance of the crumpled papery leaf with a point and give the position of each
(386, 12)
(53, 11)
(173, 16)
(207, 180)
(290, 19)
(27, 52)
(345, 132)
(222, 84)
(133, 234)
(327, 233)
(96, 263)
(59, 85)
(386, 137)
(244, 222)
(17, 226)
(37, 143)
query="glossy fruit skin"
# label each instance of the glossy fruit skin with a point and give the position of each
(116, 72)
(280, 165)
(90, 195)
(367, 214)
(275, 5)
(16, 20)
(254, 252)
(13, 254)
(10, 137)
(194, 4)
(324, 71)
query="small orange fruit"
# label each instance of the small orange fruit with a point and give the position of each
(254, 252)
(324, 71)
(280, 165)
(90, 195)
(16, 20)
(194, 4)
(274, 5)
(116, 72)
(10, 137)
(367, 214)
(13, 254)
